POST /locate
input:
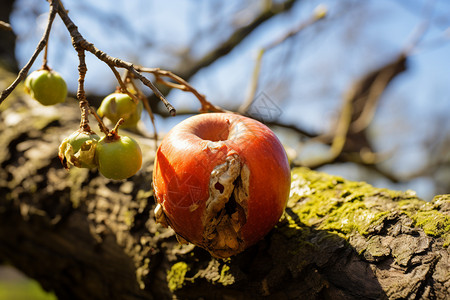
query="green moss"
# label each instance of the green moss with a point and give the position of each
(332, 203)
(23, 289)
(226, 278)
(128, 217)
(427, 216)
(77, 176)
(327, 202)
(433, 223)
(176, 275)
(350, 217)
(446, 240)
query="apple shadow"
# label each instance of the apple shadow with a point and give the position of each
(296, 261)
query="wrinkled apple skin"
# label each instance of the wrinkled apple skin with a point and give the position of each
(78, 149)
(194, 148)
(47, 87)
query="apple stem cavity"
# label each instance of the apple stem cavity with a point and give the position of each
(113, 135)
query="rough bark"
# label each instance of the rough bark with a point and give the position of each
(8, 45)
(86, 237)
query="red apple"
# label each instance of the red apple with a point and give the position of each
(221, 181)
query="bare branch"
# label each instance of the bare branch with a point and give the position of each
(237, 37)
(24, 71)
(318, 14)
(182, 85)
(81, 95)
(80, 42)
(5, 26)
(253, 83)
(358, 109)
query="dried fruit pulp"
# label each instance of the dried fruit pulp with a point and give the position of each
(79, 149)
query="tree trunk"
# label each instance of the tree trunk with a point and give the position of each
(86, 237)
(8, 45)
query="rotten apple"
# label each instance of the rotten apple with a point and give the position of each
(78, 149)
(221, 181)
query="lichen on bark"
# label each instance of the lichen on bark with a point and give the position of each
(176, 275)
(343, 239)
(86, 237)
(331, 203)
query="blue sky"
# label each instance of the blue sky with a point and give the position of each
(322, 62)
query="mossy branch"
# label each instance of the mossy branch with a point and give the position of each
(338, 239)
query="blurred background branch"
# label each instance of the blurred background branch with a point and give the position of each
(361, 94)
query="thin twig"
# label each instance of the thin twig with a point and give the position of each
(123, 87)
(376, 89)
(182, 85)
(318, 14)
(101, 125)
(24, 71)
(421, 29)
(44, 59)
(115, 130)
(253, 84)
(80, 44)
(79, 41)
(5, 26)
(147, 108)
(81, 95)
(268, 12)
(140, 97)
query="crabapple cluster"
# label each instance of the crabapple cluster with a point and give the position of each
(116, 157)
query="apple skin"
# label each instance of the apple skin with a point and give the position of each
(120, 105)
(193, 149)
(46, 86)
(119, 158)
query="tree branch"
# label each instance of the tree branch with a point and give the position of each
(5, 26)
(41, 45)
(79, 42)
(182, 85)
(358, 108)
(235, 38)
(86, 237)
